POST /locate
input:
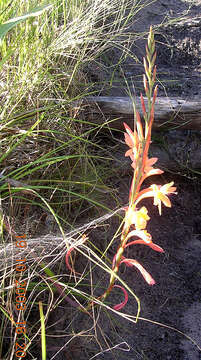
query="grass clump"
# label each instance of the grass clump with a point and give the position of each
(44, 143)
(52, 166)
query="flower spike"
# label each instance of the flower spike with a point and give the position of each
(134, 230)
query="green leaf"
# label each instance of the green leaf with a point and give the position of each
(8, 25)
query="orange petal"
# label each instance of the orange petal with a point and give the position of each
(152, 172)
(145, 274)
(142, 234)
(131, 137)
(129, 152)
(123, 303)
(156, 247)
(142, 242)
(129, 141)
(168, 188)
(150, 244)
(164, 199)
(151, 161)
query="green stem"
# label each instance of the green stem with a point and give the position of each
(115, 268)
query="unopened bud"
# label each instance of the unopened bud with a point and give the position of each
(139, 126)
(154, 74)
(146, 67)
(153, 59)
(145, 83)
(143, 104)
(155, 94)
(151, 39)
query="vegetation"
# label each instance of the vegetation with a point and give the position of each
(56, 171)
(53, 169)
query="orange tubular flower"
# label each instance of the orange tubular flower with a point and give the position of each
(149, 170)
(138, 218)
(145, 274)
(144, 238)
(149, 163)
(142, 242)
(159, 193)
(132, 140)
(142, 234)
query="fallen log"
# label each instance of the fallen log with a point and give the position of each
(171, 113)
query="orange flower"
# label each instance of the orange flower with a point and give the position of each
(145, 274)
(159, 193)
(149, 163)
(144, 238)
(142, 242)
(142, 234)
(138, 218)
(141, 218)
(148, 169)
(132, 140)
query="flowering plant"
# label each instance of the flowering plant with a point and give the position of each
(136, 217)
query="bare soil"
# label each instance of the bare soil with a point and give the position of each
(178, 46)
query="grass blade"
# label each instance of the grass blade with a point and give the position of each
(8, 25)
(43, 337)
